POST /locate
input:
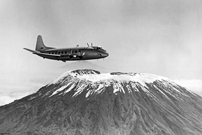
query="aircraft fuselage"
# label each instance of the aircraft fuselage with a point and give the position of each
(74, 54)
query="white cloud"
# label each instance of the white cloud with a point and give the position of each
(193, 85)
(5, 99)
(8, 97)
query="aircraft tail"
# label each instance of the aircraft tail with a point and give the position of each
(40, 45)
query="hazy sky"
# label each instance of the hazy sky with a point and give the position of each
(162, 37)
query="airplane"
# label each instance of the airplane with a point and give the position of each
(68, 54)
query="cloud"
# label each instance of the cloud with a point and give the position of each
(18, 86)
(192, 85)
(8, 97)
(5, 99)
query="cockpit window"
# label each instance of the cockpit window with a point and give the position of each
(99, 48)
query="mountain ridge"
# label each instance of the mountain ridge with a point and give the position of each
(87, 102)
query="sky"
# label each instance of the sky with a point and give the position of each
(161, 37)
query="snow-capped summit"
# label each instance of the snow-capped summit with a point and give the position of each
(87, 102)
(103, 80)
(94, 76)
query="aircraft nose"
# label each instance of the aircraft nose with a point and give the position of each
(105, 54)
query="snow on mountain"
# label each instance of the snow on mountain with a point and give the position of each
(87, 102)
(92, 76)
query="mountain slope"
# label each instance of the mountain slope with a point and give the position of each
(86, 102)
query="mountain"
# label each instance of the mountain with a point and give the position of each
(87, 102)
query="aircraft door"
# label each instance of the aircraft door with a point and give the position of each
(76, 53)
(73, 53)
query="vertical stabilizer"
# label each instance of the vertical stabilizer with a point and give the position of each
(40, 45)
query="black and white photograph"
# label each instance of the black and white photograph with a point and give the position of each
(100, 67)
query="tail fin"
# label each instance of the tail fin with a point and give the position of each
(40, 45)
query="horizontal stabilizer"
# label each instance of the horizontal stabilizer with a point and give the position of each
(30, 50)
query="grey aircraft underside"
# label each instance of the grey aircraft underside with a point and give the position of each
(68, 54)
